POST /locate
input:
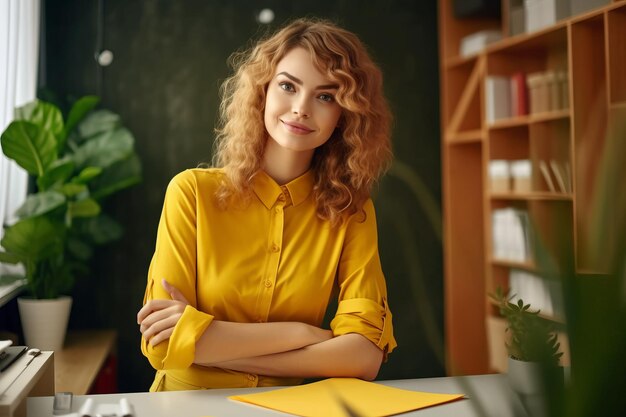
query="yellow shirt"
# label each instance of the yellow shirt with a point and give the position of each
(272, 260)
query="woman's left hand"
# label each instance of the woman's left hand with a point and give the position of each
(157, 318)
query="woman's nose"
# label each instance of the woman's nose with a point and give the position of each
(300, 108)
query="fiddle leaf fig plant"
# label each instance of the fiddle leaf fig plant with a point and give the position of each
(76, 163)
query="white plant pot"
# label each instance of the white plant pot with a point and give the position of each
(44, 322)
(525, 377)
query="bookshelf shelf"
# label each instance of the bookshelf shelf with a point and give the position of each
(466, 136)
(546, 38)
(549, 116)
(581, 61)
(513, 264)
(459, 61)
(532, 196)
(618, 106)
(530, 119)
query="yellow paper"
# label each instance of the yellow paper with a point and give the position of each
(325, 398)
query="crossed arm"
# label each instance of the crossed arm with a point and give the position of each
(285, 349)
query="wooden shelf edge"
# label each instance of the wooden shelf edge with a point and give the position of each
(528, 38)
(527, 266)
(590, 272)
(468, 136)
(459, 61)
(619, 105)
(597, 12)
(520, 121)
(548, 196)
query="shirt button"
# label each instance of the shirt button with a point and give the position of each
(281, 197)
(268, 283)
(274, 248)
(251, 377)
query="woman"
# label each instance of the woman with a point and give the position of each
(249, 254)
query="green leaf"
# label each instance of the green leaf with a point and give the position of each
(122, 174)
(40, 203)
(71, 189)
(98, 122)
(35, 238)
(87, 175)
(9, 258)
(58, 172)
(8, 279)
(31, 147)
(46, 116)
(79, 249)
(77, 113)
(84, 208)
(105, 149)
(102, 229)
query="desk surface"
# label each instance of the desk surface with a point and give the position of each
(490, 391)
(28, 375)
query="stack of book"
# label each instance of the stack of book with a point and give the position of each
(512, 240)
(543, 13)
(521, 94)
(542, 294)
(548, 91)
(506, 96)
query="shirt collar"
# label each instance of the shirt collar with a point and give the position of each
(269, 191)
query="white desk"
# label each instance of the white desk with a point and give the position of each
(492, 392)
(22, 379)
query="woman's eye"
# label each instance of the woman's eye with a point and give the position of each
(287, 86)
(326, 97)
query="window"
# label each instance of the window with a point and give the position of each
(19, 50)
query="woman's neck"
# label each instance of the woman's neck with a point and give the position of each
(285, 165)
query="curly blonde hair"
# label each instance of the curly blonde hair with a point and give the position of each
(359, 150)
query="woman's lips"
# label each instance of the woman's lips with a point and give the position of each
(297, 128)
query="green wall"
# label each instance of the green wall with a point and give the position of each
(169, 59)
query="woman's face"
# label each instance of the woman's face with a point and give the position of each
(300, 108)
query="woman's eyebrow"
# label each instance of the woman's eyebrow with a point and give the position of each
(299, 82)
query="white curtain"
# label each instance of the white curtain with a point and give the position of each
(19, 50)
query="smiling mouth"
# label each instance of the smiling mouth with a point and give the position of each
(296, 128)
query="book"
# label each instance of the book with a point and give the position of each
(476, 42)
(511, 233)
(541, 293)
(519, 95)
(498, 98)
(543, 167)
(556, 170)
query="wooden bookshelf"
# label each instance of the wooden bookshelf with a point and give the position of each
(590, 49)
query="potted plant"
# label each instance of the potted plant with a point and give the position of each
(75, 164)
(532, 344)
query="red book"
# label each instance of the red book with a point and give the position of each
(519, 94)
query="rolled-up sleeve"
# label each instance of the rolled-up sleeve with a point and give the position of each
(175, 260)
(362, 305)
